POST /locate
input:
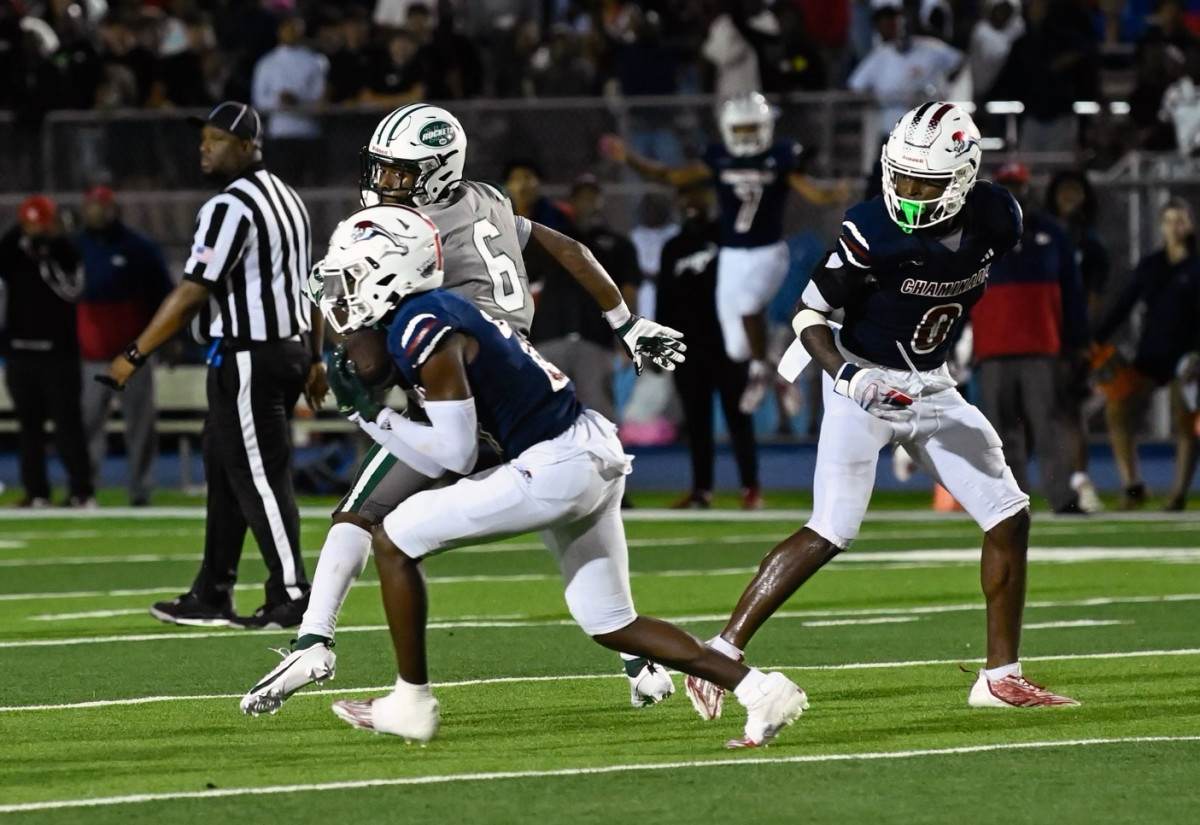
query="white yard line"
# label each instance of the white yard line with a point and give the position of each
(1079, 623)
(505, 680)
(441, 779)
(925, 556)
(515, 621)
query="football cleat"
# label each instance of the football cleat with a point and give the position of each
(781, 701)
(1089, 499)
(1013, 691)
(706, 697)
(414, 717)
(757, 385)
(649, 683)
(188, 610)
(298, 669)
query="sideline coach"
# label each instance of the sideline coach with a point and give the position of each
(249, 263)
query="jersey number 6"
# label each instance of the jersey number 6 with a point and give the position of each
(503, 272)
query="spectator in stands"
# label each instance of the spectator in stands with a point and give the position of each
(125, 279)
(1071, 198)
(1167, 283)
(687, 284)
(1049, 67)
(729, 50)
(182, 67)
(245, 31)
(288, 80)
(557, 69)
(1032, 318)
(1155, 67)
(902, 69)
(523, 182)
(991, 41)
(799, 62)
(399, 76)
(343, 41)
(43, 277)
(459, 65)
(567, 330)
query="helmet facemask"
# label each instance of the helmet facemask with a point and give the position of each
(422, 141)
(747, 125)
(935, 143)
(912, 213)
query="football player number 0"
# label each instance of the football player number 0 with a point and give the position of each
(506, 289)
(935, 327)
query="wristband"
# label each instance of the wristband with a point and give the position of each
(133, 355)
(841, 381)
(617, 315)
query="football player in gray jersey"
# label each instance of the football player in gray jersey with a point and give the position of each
(415, 157)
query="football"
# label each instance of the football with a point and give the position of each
(367, 350)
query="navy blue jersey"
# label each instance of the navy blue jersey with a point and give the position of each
(752, 192)
(914, 289)
(520, 398)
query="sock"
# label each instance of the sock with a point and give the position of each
(749, 688)
(343, 558)
(1077, 479)
(411, 691)
(996, 673)
(307, 640)
(723, 647)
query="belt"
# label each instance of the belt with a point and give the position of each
(220, 345)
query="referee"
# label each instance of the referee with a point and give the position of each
(249, 262)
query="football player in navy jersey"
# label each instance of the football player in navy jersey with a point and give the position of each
(905, 272)
(753, 173)
(564, 472)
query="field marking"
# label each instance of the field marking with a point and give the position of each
(504, 680)
(498, 622)
(970, 555)
(640, 514)
(440, 779)
(1078, 623)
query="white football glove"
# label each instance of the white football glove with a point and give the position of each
(643, 338)
(874, 390)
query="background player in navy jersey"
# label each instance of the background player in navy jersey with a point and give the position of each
(564, 473)
(753, 173)
(415, 157)
(905, 271)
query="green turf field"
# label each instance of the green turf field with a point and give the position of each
(107, 716)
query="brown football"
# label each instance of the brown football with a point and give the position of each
(367, 350)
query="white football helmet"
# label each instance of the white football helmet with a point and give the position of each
(377, 256)
(425, 140)
(747, 125)
(938, 143)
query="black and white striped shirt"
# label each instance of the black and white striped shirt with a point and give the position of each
(253, 250)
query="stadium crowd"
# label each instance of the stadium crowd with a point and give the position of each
(294, 60)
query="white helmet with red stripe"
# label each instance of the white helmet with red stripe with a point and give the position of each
(938, 143)
(377, 256)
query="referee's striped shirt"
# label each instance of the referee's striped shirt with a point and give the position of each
(253, 250)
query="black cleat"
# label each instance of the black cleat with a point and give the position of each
(274, 617)
(187, 609)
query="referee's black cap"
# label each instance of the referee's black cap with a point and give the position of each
(238, 119)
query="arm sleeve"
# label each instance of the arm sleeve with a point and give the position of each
(222, 228)
(450, 441)
(836, 284)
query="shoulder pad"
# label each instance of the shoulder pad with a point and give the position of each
(867, 233)
(995, 211)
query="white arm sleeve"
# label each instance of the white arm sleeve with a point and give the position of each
(450, 441)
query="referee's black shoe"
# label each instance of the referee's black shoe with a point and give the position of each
(274, 617)
(187, 609)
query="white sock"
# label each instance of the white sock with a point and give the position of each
(721, 646)
(1077, 479)
(629, 657)
(749, 688)
(411, 691)
(997, 673)
(347, 547)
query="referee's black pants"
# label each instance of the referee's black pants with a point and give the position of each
(697, 379)
(248, 466)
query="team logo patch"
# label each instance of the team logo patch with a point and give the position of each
(203, 254)
(961, 143)
(364, 230)
(437, 134)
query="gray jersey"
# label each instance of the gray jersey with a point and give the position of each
(481, 251)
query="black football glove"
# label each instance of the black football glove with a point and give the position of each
(352, 397)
